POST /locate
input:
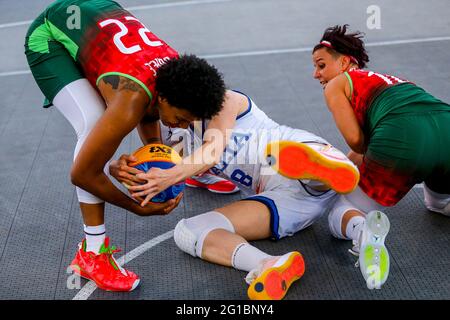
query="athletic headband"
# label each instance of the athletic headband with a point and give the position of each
(329, 45)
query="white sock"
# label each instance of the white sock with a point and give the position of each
(95, 237)
(354, 226)
(247, 257)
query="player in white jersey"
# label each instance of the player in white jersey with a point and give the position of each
(275, 206)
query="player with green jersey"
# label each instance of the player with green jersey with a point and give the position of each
(399, 135)
(103, 70)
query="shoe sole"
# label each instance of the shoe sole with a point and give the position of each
(296, 160)
(373, 254)
(224, 192)
(194, 185)
(274, 282)
(77, 269)
(213, 191)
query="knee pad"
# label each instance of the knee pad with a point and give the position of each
(357, 200)
(436, 202)
(190, 233)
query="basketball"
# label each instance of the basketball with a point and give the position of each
(158, 156)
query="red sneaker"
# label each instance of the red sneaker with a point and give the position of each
(213, 183)
(103, 269)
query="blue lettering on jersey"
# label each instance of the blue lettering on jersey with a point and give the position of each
(240, 176)
(237, 142)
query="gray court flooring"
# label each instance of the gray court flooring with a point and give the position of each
(40, 223)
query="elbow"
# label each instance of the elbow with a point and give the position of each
(355, 141)
(357, 145)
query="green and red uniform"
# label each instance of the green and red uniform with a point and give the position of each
(75, 39)
(407, 132)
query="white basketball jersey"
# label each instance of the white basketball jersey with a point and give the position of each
(243, 160)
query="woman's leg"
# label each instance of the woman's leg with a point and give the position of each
(81, 105)
(251, 221)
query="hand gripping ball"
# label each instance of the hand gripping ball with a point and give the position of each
(158, 156)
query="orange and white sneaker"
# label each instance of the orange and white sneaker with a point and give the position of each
(103, 269)
(272, 279)
(213, 183)
(313, 161)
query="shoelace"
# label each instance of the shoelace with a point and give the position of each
(254, 273)
(109, 250)
(355, 250)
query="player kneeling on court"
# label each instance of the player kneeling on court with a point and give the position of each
(399, 136)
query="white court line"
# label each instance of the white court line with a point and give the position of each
(136, 8)
(15, 24)
(90, 287)
(295, 50)
(278, 51)
(14, 73)
(174, 4)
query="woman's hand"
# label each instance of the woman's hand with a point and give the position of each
(164, 208)
(123, 173)
(157, 180)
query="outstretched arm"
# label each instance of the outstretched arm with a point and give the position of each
(209, 154)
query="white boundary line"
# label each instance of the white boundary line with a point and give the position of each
(296, 50)
(90, 287)
(14, 73)
(136, 8)
(278, 51)
(174, 4)
(15, 24)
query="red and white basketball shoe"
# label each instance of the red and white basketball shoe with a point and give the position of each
(103, 269)
(213, 183)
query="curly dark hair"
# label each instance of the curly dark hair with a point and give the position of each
(346, 44)
(191, 83)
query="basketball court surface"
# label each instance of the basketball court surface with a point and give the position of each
(263, 48)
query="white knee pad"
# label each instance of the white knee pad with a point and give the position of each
(190, 233)
(357, 200)
(436, 202)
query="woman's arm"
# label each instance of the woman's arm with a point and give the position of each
(215, 139)
(343, 114)
(126, 103)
